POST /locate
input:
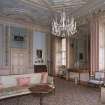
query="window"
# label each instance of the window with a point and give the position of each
(63, 51)
(3, 47)
(101, 59)
(60, 53)
(102, 47)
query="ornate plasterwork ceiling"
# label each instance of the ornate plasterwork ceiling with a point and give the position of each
(77, 7)
(18, 9)
(65, 3)
(41, 11)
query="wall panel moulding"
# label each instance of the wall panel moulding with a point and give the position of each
(82, 20)
(41, 28)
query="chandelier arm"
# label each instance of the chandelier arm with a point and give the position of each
(65, 27)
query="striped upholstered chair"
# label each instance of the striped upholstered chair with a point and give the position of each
(97, 79)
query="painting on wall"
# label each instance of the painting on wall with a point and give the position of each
(18, 37)
(81, 56)
(39, 53)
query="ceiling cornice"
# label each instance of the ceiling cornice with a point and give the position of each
(34, 4)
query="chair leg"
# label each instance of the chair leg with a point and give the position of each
(18, 100)
(41, 99)
(54, 91)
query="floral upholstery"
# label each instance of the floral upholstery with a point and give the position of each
(25, 81)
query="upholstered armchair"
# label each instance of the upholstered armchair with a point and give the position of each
(62, 71)
(97, 79)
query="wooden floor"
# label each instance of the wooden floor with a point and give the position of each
(67, 93)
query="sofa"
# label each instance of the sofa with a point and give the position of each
(16, 85)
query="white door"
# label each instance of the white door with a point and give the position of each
(19, 61)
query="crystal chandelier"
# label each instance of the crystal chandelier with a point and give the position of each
(65, 27)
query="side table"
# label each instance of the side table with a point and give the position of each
(41, 90)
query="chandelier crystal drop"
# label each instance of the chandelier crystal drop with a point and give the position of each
(65, 27)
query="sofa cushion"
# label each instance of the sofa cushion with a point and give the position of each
(23, 81)
(34, 77)
(44, 77)
(8, 81)
(11, 81)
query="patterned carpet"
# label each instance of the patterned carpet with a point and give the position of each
(67, 93)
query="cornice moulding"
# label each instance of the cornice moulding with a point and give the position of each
(30, 26)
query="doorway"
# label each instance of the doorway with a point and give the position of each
(19, 61)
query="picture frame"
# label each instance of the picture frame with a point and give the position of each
(39, 53)
(81, 56)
